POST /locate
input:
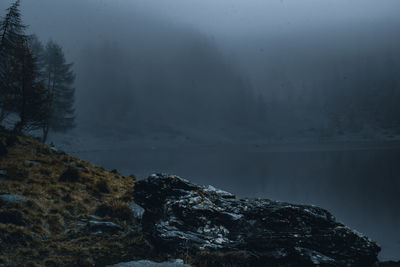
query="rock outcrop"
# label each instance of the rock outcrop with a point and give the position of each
(214, 228)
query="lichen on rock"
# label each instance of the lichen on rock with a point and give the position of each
(200, 221)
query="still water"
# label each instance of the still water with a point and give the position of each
(358, 183)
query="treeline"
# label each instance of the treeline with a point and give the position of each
(178, 82)
(346, 95)
(36, 90)
(182, 86)
(365, 94)
(344, 84)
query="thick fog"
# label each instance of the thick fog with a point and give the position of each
(284, 99)
(229, 66)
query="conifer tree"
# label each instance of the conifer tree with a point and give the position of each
(37, 49)
(59, 79)
(21, 89)
(32, 99)
(11, 38)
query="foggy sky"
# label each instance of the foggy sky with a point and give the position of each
(268, 42)
(62, 19)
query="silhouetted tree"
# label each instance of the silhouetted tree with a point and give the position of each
(11, 38)
(59, 79)
(31, 98)
(22, 91)
(37, 49)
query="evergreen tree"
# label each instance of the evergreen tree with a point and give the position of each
(31, 100)
(22, 90)
(12, 38)
(59, 79)
(37, 50)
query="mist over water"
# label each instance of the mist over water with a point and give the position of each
(289, 100)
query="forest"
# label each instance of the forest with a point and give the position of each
(36, 90)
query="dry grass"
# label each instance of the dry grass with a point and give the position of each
(115, 209)
(62, 191)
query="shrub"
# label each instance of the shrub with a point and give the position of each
(116, 209)
(16, 173)
(12, 216)
(3, 150)
(71, 175)
(102, 186)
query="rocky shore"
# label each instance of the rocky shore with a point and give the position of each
(57, 210)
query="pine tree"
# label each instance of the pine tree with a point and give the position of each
(31, 98)
(37, 49)
(22, 90)
(11, 38)
(59, 79)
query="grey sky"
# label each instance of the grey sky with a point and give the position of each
(218, 18)
(288, 30)
(240, 17)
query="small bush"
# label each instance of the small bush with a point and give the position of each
(45, 172)
(102, 186)
(67, 198)
(16, 173)
(55, 223)
(116, 209)
(51, 263)
(71, 175)
(12, 235)
(11, 140)
(12, 216)
(3, 150)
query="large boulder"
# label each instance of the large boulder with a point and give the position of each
(214, 228)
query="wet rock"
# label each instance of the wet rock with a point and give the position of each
(389, 264)
(32, 162)
(56, 150)
(12, 199)
(100, 227)
(94, 217)
(146, 263)
(209, 223)
(137, 210)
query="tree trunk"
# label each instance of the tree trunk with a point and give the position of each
(2, 115)
(45, 133)
(18, 127)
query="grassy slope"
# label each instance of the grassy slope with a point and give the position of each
(47, 230)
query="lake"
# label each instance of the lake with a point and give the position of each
(359, 183)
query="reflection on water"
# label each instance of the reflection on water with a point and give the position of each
(361, 187)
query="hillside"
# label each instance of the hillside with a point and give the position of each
(59, 196)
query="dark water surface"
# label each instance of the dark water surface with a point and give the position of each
(359, 184)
